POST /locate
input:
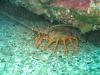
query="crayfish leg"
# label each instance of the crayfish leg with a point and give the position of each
(57, 40)
(65, 48)
(49, 43)
(38, 40)
(70, 40)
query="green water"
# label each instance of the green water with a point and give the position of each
(18, 56)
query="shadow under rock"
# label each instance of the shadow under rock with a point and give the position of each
(93, 37)
(20, 14)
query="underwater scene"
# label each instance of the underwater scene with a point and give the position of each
(49, 37)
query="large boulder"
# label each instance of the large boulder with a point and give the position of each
(74, 12)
